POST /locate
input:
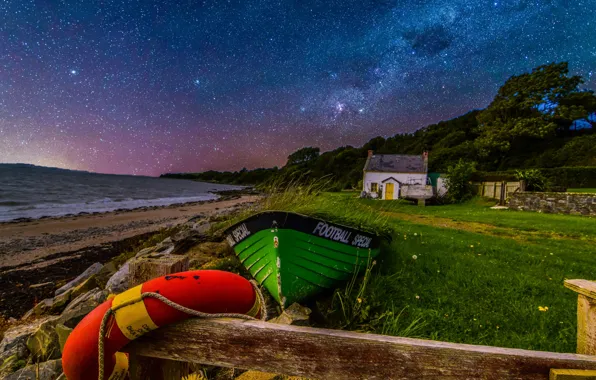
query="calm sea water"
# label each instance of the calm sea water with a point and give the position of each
(28, 191)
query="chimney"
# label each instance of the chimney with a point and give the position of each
(425, 158)
(370, 153)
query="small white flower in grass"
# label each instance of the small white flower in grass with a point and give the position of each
(415, 234)
(417, 297)
(551, 253)
(414, 257)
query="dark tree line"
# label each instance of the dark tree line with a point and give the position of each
(539, 119)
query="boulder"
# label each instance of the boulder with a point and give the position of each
(145, 251)
(296, 314)
(43, 307)
(44, 371)
(165, 244)
(88, 285)
(10, 365)
(63, 332)
(15, 339)
(43, 343)
(105, 273)
(119, 280)
(92, 270)
(81, 306)
(185, 239)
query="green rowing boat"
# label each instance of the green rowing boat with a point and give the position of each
(295, 256)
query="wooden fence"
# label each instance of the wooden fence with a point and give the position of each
(497, 190)
(333, 354)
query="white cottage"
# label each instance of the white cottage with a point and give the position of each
(386, 174)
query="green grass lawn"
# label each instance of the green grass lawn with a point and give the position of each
(468, 274)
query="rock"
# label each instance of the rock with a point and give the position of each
(44, 371)
(296, 314)
(81, 306)
(165, 244)
(119, 281)
(145, 251)
(63, 332)
(105, 273)
(42, 285)
(15, 339)
(43, 343)
(89, 284)
(43, 307)
(186, 239)
(10, 365)
(92, 270)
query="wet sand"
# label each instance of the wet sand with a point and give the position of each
(38, 241)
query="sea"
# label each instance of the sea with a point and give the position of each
(32, 192)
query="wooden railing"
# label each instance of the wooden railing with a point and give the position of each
(333, 354)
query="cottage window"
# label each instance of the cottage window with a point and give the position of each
(374, 187)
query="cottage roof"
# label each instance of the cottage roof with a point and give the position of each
(395, 163)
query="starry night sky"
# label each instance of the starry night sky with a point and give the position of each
(147, 87)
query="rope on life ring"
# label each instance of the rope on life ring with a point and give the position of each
(178, 307)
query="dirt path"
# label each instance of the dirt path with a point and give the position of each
(480, 228)
(37, 240)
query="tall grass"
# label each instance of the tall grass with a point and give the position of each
(308, 197)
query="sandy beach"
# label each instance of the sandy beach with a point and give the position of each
(24, 243)
(50, 250)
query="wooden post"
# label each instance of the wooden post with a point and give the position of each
(141, 270)
(586, 315)
(146, 268)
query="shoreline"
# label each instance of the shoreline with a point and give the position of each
(222, 196)
(51, 250)
(29, 241)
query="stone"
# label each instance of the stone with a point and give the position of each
(105, 273)
(63, 332)
(43, 307)
(119, 280)
(10, 365)
(296, 314)
(42, 285)
(165, 244)
(81, 306)
(92, 270)
(15, 339)
(145, 251)
(43, 343)
(185, 239)
(50, 370)
(89, 284)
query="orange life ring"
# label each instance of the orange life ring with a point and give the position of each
(133, 313)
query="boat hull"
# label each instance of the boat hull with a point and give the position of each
(295, 257)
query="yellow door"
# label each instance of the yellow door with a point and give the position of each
(389, 191)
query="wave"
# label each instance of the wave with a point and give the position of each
(11, 210)
(12, 203)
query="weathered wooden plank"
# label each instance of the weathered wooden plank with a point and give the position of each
(586, 315)
(586, 325)
(572, 374)
(585, 287)
(333, 354)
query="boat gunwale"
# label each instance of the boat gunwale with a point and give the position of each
(376, 237)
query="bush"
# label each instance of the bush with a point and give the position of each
(458, 184)
(565, 177)
(534, 179)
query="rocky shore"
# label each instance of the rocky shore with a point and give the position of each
(41, 306)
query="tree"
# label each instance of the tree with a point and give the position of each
(304, 155)
(533, 105)
(458, 178)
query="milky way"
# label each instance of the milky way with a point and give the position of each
(146, 87)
